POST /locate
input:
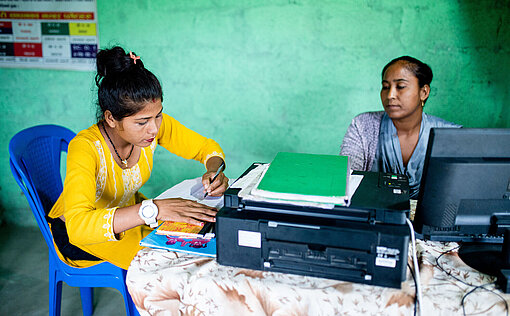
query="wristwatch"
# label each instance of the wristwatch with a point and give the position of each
(148, 212)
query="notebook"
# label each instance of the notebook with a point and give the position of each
(185, 230)
(196, 246)
(306, 177)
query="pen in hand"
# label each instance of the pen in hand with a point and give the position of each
(215, 176)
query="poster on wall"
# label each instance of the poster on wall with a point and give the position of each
(51, 34)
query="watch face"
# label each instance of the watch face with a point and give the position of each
(148, 211)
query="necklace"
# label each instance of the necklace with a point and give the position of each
(124, 161)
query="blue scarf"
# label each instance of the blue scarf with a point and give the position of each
(388, 157)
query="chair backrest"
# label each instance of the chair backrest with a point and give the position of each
(35, 155)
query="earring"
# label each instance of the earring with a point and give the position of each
(422, 103)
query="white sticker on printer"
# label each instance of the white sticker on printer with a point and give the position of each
(249, 239)
(385, 262)
(387, 257)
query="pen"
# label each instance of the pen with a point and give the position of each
(216, 175)
(208, 228)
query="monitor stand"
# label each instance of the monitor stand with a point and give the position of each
(491, 259)
(484, 257)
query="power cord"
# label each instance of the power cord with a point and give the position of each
(414, 279)
(418, 296)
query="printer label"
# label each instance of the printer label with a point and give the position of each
(249, 239)
(385, 262)
(386, 257)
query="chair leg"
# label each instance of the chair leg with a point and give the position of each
(55, 294)
(132, 307)
(128, 302)
(87, 300)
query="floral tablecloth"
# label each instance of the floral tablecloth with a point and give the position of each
(168, 283)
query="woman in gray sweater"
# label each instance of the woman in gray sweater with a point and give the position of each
(395, 140)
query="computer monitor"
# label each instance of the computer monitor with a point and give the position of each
(465, 193)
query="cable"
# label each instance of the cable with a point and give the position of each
(414, 279)
(472, 290)
(475, 287)
(416, 269)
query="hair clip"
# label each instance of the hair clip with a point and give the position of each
(134, 57)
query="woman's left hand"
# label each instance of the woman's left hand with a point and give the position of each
(218, 187)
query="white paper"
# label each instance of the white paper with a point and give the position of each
(192, 189)
(250, 181)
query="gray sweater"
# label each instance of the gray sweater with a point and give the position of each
(360, 140)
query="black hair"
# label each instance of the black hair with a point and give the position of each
(123, 85)
(421, 70)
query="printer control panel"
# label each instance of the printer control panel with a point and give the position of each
(393, 180)
(397, 182)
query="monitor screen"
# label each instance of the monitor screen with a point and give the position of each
(465, 196)
(465, 185)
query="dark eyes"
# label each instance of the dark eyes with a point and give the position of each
(143, 123)
(399, 87)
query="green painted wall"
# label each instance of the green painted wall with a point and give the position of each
(267, 76)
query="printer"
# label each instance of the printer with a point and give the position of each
(365, 242)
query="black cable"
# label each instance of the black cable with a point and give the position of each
(415, 288)
(472, 290)
(475, 287)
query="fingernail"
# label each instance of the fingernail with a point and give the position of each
(201, 224)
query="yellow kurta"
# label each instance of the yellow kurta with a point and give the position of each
(95, 186)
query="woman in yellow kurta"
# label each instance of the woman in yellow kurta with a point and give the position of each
(110, 161)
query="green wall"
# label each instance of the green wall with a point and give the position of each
(266, 76)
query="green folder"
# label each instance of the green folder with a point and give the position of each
(306, 177)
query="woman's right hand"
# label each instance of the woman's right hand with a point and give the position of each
(187, 211)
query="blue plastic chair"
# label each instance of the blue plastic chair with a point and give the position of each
(35, 155)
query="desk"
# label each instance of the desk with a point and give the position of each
(168, 283)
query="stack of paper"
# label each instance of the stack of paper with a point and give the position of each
(307, 178)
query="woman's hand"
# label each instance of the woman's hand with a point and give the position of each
(220, 184)
(218, 187)
(187, 211)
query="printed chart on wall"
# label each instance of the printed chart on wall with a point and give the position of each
(53, 34)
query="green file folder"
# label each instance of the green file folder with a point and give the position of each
(306, 177)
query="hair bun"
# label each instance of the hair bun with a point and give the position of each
(114, 61)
